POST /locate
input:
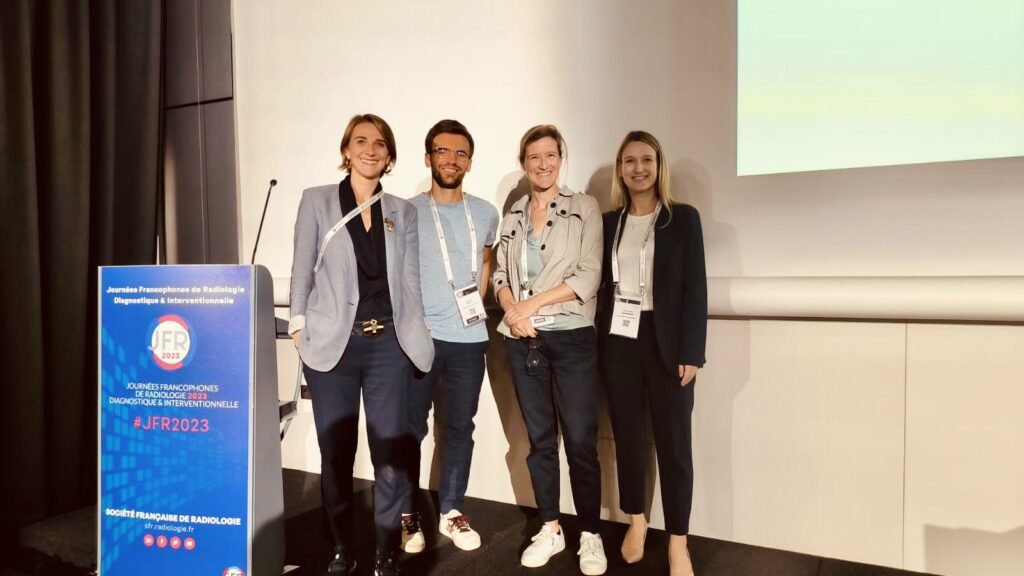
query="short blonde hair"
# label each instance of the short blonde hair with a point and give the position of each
(662, 190)
(385, 131)
(539, 132)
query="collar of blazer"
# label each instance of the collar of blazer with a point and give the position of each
(389, 206)
(390, 210)
(663, 257)
(561, 203)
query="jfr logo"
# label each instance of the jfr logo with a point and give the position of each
(170, 342)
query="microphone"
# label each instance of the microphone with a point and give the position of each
(273, 182)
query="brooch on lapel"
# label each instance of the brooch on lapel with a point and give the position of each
(389, 224)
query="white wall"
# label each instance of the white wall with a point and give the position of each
(799, 425)
(887, 443)
(596, 69)
(964, 509)
(880, 442)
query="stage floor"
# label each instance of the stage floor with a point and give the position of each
(65, 546)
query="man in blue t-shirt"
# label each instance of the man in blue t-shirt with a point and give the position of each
(456, 232)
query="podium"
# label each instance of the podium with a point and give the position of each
(190, 455)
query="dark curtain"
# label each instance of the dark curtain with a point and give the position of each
(79, 187)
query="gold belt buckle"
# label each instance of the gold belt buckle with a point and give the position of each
(372, 328)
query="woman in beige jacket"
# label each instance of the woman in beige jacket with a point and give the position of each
(547, 276)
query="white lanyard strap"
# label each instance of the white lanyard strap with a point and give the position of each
(444, 244)
(341, 224)
(643, 250)
(524, 247)
(524, 262)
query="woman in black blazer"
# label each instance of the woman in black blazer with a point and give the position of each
(653, 326)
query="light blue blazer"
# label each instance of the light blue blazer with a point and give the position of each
(324, 307)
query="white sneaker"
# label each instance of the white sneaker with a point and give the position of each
(456, 526)
(413, 540)
(546, 544)
(592, 558)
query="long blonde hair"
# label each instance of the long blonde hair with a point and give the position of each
(620, 194)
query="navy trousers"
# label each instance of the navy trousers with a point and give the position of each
(459, 371)
(555, 376)
(379, 370)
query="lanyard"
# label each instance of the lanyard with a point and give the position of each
(341, 224)
(524, 247)
(444, 245)
(524, 264)
(643, 251)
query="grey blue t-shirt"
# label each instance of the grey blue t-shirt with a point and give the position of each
(438, 299)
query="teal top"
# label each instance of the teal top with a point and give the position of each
(534, 264)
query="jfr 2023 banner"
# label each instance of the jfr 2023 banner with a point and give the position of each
(174, 406)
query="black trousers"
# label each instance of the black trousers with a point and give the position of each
(636, 381)
(557, 373)
(377, 368)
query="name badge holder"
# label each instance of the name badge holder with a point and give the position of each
(467, 298)
(626, 309)
(626, 316)
(538, 321)
(471, 305)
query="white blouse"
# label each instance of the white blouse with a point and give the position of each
(633, 232)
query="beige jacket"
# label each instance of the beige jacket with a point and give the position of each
(571, 247)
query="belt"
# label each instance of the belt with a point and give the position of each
(371, 328)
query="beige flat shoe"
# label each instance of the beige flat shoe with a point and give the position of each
(679, 557)
(633, 545)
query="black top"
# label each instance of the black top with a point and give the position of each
(680, 291)
(371, 256)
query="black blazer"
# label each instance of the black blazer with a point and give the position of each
(680, 290)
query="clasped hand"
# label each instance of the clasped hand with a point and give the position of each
(517, 317)
(522, 310)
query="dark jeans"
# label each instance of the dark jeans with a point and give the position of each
(379, 369)
(633, 370)
(459, 367)
(557, 373)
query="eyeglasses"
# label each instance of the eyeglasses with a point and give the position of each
(444, 153)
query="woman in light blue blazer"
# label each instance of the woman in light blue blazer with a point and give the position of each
(357, 320)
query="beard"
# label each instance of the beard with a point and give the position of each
(441, 180)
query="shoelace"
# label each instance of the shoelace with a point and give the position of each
(460, 523)
(546, 537)
(411, 523)
(590, 545)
